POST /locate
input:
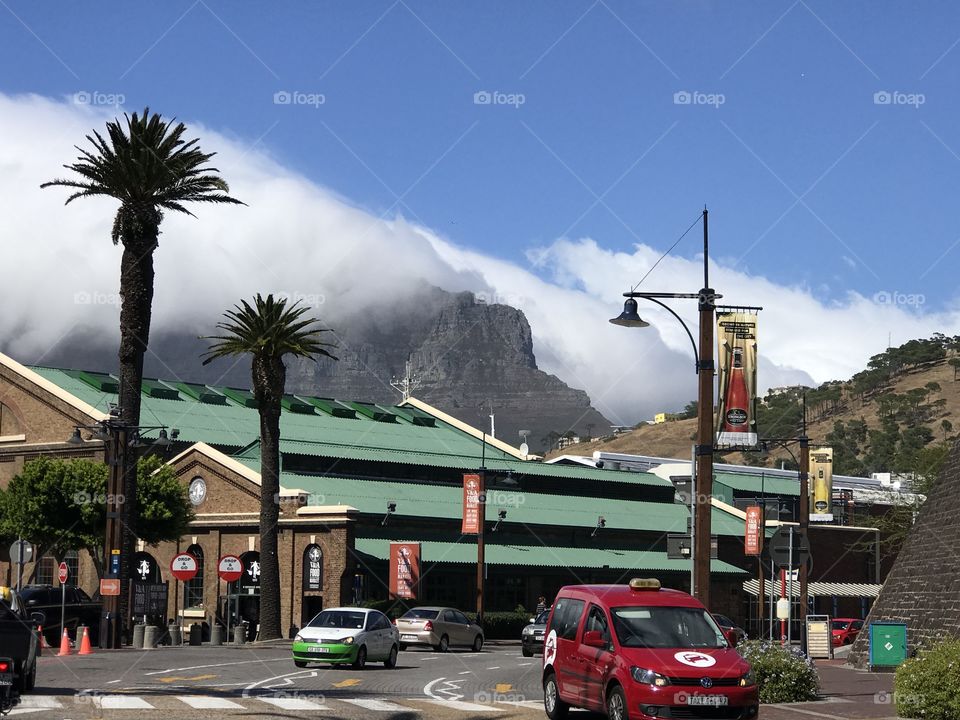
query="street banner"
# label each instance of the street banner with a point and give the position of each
(753, 533)
(404, 570)
(736, 411)
(472, 489)
(820, 478)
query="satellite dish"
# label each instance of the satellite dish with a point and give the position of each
(524, 449)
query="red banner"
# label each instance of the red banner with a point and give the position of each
(753, 535)
(404, 570)
(472, 489)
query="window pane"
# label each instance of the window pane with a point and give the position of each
(193, 589)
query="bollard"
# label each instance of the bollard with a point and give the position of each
(216, 635)
(239, 635)
(150, 635)
(196, 634)
(138, 636)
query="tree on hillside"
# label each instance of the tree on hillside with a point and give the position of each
(946, 426)
(148, 166)
(268, 330)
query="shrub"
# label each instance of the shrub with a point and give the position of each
(926, 686)
(783, 674)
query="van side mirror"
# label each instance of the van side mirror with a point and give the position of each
(593, 638)
(38, 617)
(732, 637)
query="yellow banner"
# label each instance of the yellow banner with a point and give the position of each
(820, 479)
(736, 412)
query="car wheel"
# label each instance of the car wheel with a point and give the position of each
(402, 647)
(847, 641)
(361, 659)
(555, 708)
(527, 653)
(616, 704)
(478, 643)
(300, 663)
(444, 644)
(391, 661)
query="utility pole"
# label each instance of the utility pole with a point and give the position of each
(804, 518)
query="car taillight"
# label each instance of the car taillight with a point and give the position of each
(4, 666)
(428, 625)
(394, 621)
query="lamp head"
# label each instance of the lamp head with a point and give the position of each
(630, 317)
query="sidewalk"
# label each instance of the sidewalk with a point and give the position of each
(847, 693)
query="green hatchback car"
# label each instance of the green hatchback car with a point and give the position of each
(347, 636)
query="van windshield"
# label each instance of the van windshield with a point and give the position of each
(666, 627)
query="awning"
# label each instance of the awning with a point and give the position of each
(817, 589)
(542, 556)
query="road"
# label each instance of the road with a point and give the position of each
(210, 682)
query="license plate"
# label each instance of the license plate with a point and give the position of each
(319, 649)
(710, 700)
(6, 679)
(408, 637)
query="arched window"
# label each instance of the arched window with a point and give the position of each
(193, 589)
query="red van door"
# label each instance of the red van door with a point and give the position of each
(565, 622)
(595, 662)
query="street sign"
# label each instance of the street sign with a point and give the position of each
(21, 552)
(780, 551)
(230, 568)
(679, 546)
(109, 587)
(63, 572)
(184, 567)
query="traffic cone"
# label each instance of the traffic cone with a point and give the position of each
(64, 643)
(85, 643)
(43, 639)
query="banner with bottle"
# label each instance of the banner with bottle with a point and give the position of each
(820, 479)
(736, 411)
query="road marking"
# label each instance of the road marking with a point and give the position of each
(42, 702)
(495, 667)
(121, 702)
(449, 690)
(504, 687)
(291, 703)
(524, 664)
(299, 673)
(350, 682)
(377, 705)
(466, 706)
(200, 667)
(205, 702)
(174, 678)
(466, 672)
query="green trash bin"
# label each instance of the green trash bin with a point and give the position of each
(888, 644)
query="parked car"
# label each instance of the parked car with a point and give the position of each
(845, 630)
(80, 610)
(728, 625)
(19, 644)
(532, 636)
(641, 651)
(438, 627)
(347, 635)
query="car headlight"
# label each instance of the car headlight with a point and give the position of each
(298, 638)
(748, 679)
(347, 641)
(648, 677)
(528, 631)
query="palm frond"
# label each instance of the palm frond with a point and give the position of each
(268, 328)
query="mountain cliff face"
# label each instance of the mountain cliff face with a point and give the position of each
(466, 357)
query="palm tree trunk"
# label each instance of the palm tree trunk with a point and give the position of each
(136, 301)
(269, 378)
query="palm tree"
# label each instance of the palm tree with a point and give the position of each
(268, 330)
(149, 168)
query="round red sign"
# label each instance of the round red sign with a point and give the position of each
(63, 573)
(230, 568)
(184, 567)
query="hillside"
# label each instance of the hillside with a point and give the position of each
(898, 415)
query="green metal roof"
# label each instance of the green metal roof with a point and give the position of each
(544, 556)
(446, 501)
(768, 484)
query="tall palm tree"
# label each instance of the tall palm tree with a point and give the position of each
(267, 331)
(149, 167)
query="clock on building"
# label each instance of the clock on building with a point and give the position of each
(198, 490)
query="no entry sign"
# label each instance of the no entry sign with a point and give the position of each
(63, 573)
(184, 567)
(230, 568)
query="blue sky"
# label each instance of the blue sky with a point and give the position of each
(798, 119)
(545, 153)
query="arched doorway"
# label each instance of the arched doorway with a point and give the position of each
(149, 596)
(243, 598)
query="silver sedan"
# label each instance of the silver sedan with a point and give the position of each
(440, 628)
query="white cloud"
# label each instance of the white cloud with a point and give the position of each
(60, 270)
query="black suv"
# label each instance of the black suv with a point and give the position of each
(80, 610)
